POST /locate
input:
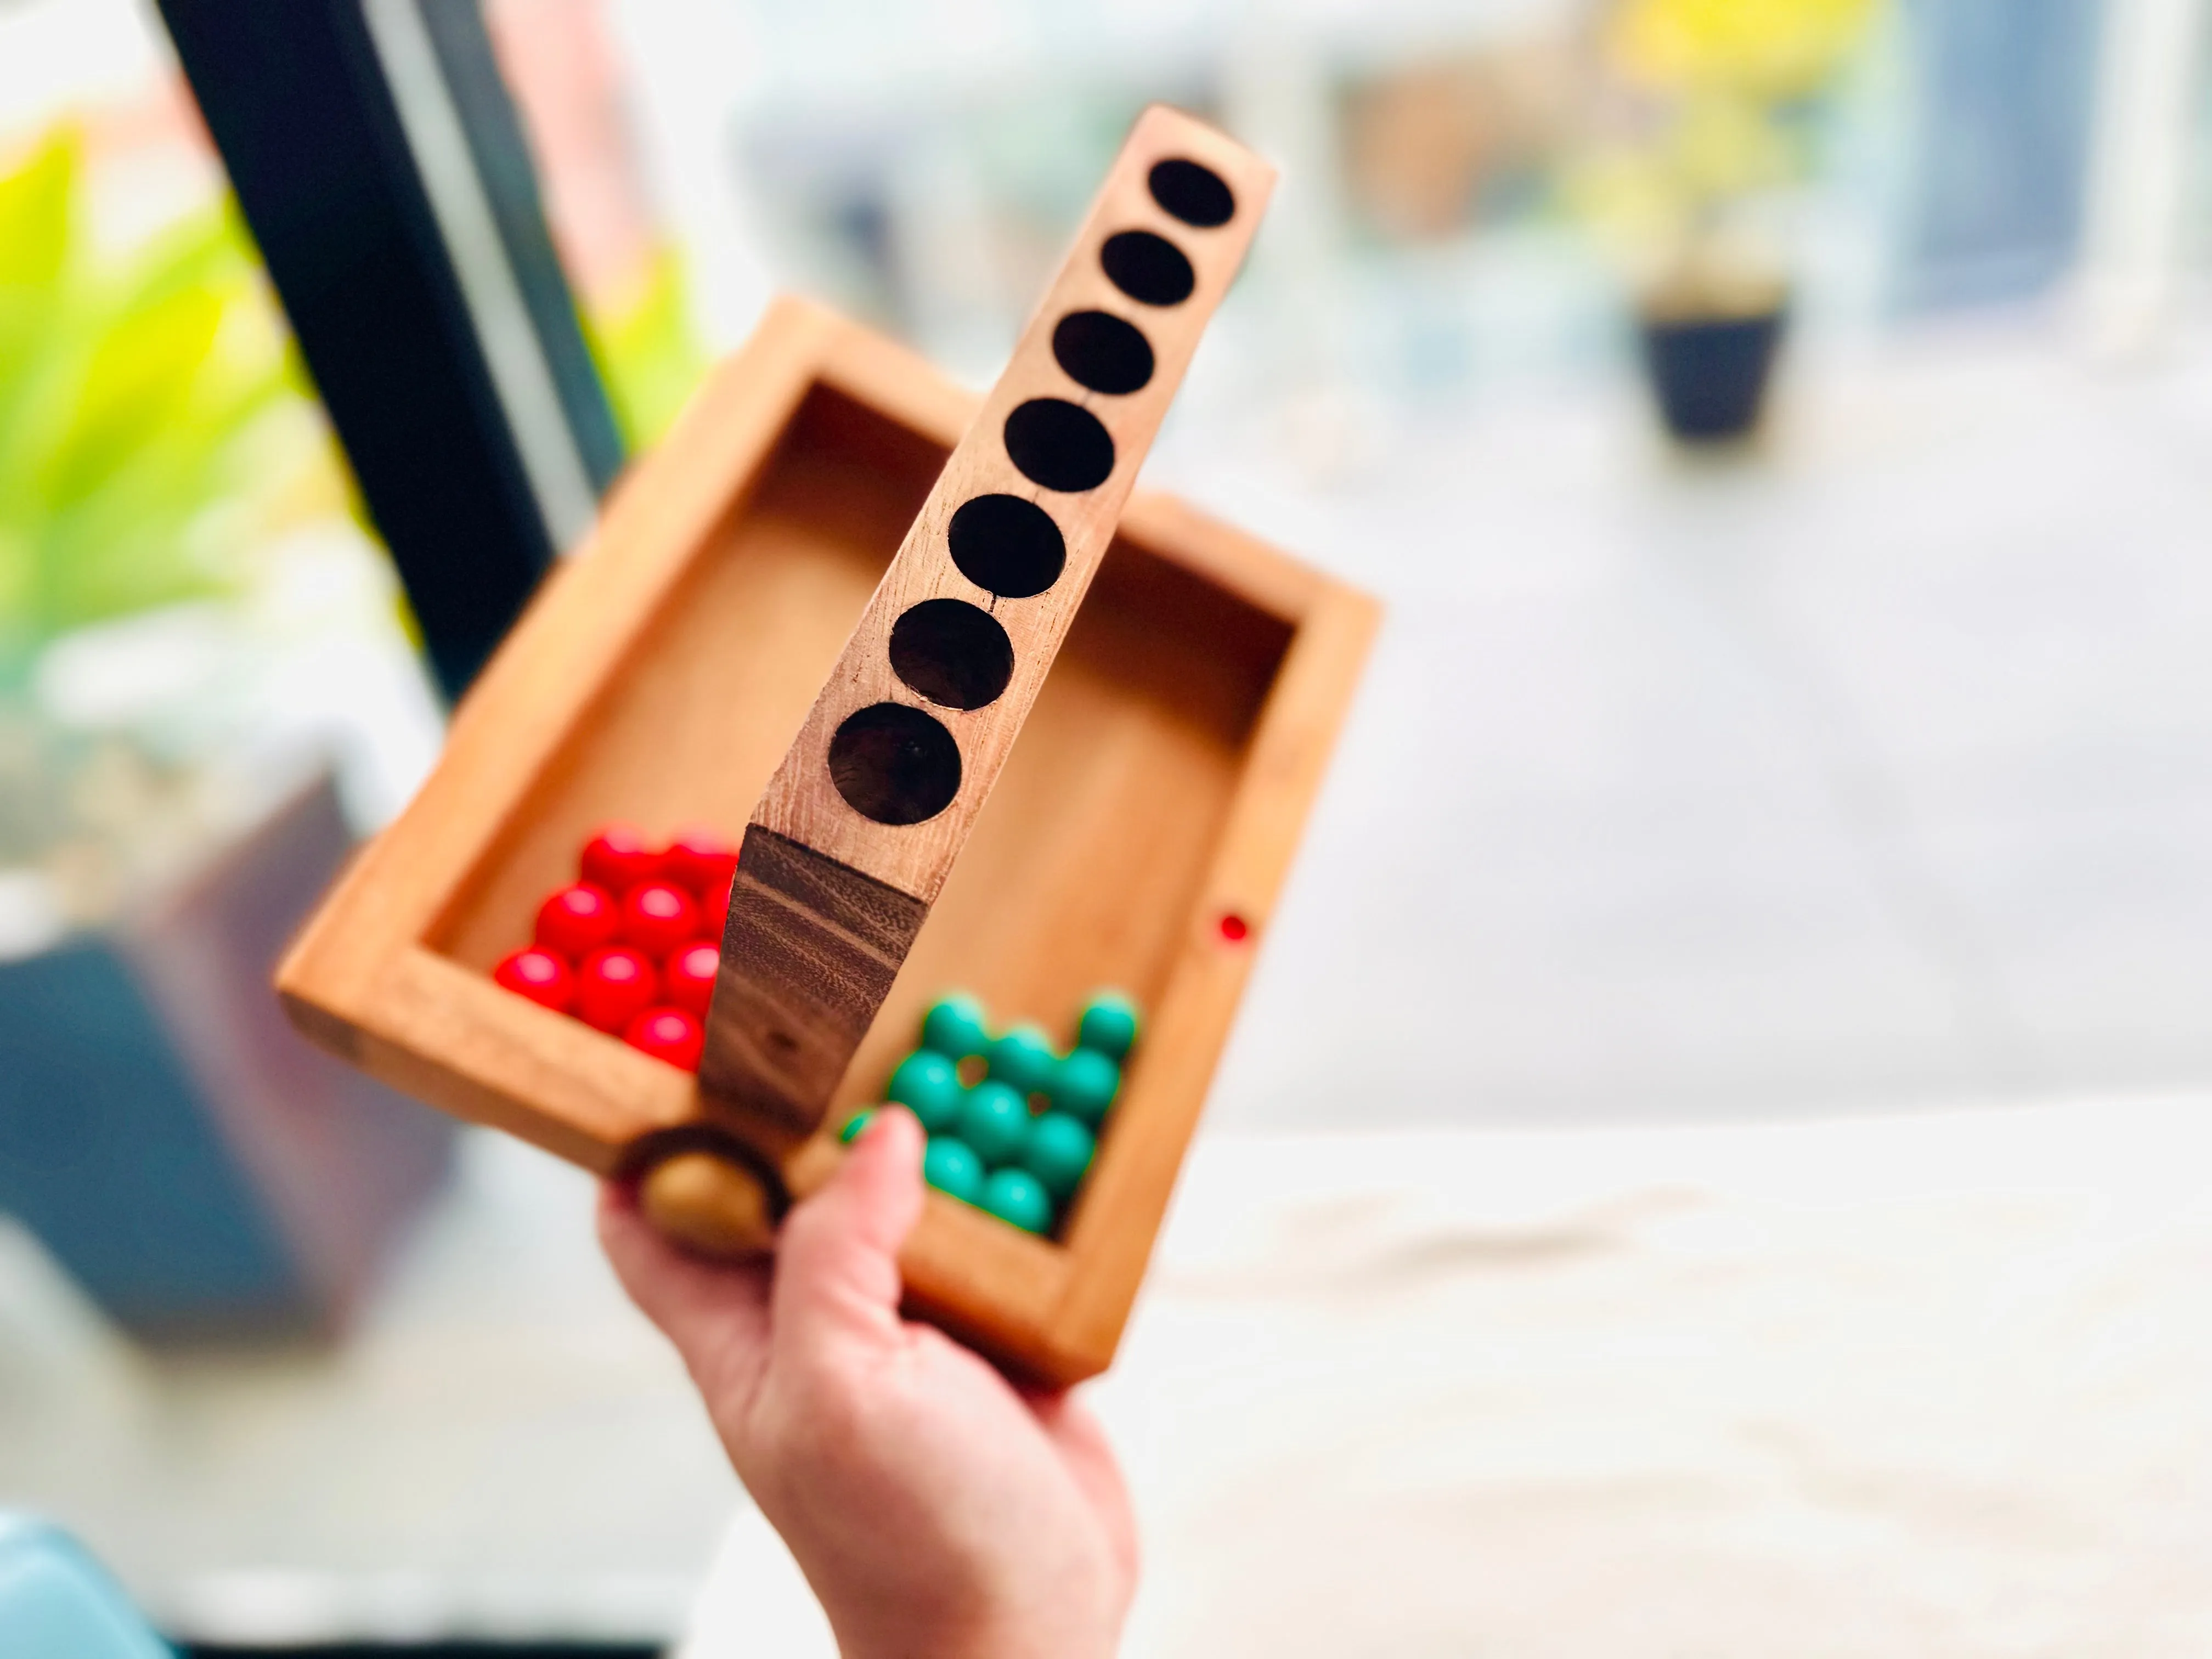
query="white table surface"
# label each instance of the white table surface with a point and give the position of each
(1938, 1384)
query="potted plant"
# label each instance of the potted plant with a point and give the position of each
(1712, 120)
(165, 485)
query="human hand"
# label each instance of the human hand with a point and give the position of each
(936, 1508)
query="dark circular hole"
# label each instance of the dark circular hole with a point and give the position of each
(1006, 545)
(1102, 352)
(952, 652)
(1148, 267)
(894, 764)
(1058, 444)
(1194, 194)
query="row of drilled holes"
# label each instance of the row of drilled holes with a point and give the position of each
(897, 764)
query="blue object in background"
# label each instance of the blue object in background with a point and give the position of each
(109, 1152)
(56, 1603)
(2008, 91)
(180, 1152)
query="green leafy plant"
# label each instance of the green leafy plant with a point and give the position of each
(156, 431)
(137, 393)
(648, 352)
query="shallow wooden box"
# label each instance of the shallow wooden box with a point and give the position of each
(1138, 837)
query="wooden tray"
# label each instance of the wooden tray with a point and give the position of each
(1137, 838)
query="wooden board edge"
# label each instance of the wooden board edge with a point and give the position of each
(990, 1283)
(1257, 572)
(522, 706)
(462, 1045)
(961, 1268)
(897, 382)
(1114, 1230)
(484, 1053)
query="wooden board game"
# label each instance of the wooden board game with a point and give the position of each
(1137, 835)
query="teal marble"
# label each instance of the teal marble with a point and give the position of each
(1084, 1085)
(956, 1026)
(1022, 1058)
(952, 1168)
(1058, 1153)
(1017, 1196)
(1110, 1024)
(928, 1083)
(994, 1120)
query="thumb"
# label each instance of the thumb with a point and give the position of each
(715, 1313)
(837, 1273)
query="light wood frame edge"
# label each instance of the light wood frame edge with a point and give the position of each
(1116, 1227)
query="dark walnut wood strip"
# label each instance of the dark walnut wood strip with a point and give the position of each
(808, 956)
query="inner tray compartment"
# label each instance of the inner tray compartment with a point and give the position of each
(1085, 863)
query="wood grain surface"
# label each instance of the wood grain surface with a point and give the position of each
(778, 1049)
(1163, 780)
(809, 954)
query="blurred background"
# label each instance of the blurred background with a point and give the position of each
(1776, 429)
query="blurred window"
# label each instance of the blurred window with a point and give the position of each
(2005, 102)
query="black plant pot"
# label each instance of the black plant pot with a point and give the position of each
(1709, 373)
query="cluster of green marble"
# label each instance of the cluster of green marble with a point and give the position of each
(1018, 1139)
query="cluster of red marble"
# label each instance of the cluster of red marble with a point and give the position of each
(631, 948)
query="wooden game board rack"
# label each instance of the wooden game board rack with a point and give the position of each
(1138, 837)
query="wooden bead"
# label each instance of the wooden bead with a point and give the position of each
(1058, 1153)
(928, 1085)
(701, 863)
(994, 1120)
(689, 977)
(618, 858)
(1109, 1024)
(659, 918)
(539, 974)
(955, 1026)
(953, 1169)
(708, 1205)
(714, 908)
(1022, 1060)
(614, 986)
(577, 920)
(1084, 1085)
(1017, 1196)
(667, 1034)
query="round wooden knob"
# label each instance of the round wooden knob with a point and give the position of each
(710, 1206)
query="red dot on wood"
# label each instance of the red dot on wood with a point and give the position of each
(1234, 927)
